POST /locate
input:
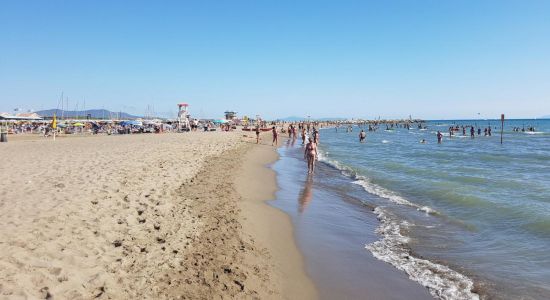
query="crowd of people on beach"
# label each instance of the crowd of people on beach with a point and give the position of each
(68, 127)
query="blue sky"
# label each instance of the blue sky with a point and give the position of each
(431, 59)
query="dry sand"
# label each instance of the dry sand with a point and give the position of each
(144, 216)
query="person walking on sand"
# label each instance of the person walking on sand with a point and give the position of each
(439, 137)
(257, 134)
(275, 136)
(310, 154)
(362, 136)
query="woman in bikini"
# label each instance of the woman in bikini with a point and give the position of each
(310, 154)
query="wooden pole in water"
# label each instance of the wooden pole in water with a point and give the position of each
(501, 127)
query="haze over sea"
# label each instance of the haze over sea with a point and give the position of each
(474, 205)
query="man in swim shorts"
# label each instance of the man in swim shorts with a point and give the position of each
(362, 136)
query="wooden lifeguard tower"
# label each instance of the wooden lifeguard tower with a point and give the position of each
(183, 117)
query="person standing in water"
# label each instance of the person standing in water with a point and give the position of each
(303, 136)
(275, 136)
(472, 132)
(315, 135)
(439, 137)
(289, 131)
(362, 136)
(310, 154)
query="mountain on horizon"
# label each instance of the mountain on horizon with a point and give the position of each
(80, 114)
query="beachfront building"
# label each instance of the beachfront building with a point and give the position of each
(230, 115)
(21, 117)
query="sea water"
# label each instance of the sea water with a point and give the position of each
(466, 217)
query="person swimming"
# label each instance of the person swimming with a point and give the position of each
(439, 137)
(362, 136)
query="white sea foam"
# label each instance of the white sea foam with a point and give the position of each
(534, 132)
(443, 282)
(385, 141)
(371, 187)
(390, 195)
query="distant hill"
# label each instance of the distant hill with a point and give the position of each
(81, 114)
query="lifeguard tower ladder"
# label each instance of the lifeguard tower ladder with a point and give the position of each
(183, 117)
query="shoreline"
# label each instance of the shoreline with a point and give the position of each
(271, 226)
(332, 225)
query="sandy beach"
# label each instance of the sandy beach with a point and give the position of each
(179, 216)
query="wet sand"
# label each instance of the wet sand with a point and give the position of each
(271, 227)
(332, 227)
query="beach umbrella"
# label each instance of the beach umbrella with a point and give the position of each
(131, 123)
(78, 124)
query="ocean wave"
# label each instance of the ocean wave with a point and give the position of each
(390, 195)
(442, 282)
(371, 187)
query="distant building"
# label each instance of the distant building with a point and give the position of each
(230, 115)
(21, 116)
